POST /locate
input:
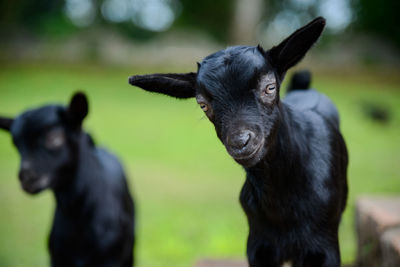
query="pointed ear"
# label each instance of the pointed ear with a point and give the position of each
(291, 50)
(5, 123)
(179, 85)
(78, 109)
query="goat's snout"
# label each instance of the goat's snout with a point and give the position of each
(245, 144)
(30, 180)
(26, 173)
(240, 140)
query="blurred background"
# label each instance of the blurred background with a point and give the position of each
(185, 184)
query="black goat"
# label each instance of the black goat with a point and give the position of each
(292, 151)
(94, 218)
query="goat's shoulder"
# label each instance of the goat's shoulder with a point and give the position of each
(99, 166)
(109, 163)
(312, 100)
(102, 178)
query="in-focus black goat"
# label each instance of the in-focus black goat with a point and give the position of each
(292, 151)
(94, 218)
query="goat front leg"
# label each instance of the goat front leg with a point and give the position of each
(261, 254)
(328, 257)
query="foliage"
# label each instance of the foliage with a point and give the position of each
(210, 16)
(31, 15)
(380, 18)
(47, 17)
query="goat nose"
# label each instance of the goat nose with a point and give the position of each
(244, 138)
(241, 139)
(26, 174)
(25, 165)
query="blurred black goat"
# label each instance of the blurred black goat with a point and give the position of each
(292, 151)
(376, 112)
(94, 218)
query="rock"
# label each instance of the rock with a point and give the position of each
(375, 216)
(390, 247)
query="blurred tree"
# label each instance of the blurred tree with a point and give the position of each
(39, 16)
(135, 18)
(247, 15)
(213, 17)
(225, 20)
(379, 17)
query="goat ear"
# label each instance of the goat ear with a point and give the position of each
(179, 85)
(291, 50)
(5, 123)
(78, 108)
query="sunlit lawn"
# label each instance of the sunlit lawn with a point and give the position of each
(185, 185)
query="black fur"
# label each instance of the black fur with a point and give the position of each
(177, 85)
(301, 80)
(292, 151)
(94, 218)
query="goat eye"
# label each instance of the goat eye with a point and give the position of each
(270, 88)
(204, 106)
(55, 139)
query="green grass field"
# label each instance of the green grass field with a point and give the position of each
(185, 184)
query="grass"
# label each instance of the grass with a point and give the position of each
(185, 185)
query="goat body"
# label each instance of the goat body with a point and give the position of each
(94, 218)
(294, 196)
(93, 223)
(291, 149)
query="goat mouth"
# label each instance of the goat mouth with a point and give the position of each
(36, 186)
(251, 158)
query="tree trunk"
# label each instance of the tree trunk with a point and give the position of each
(246, 16)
